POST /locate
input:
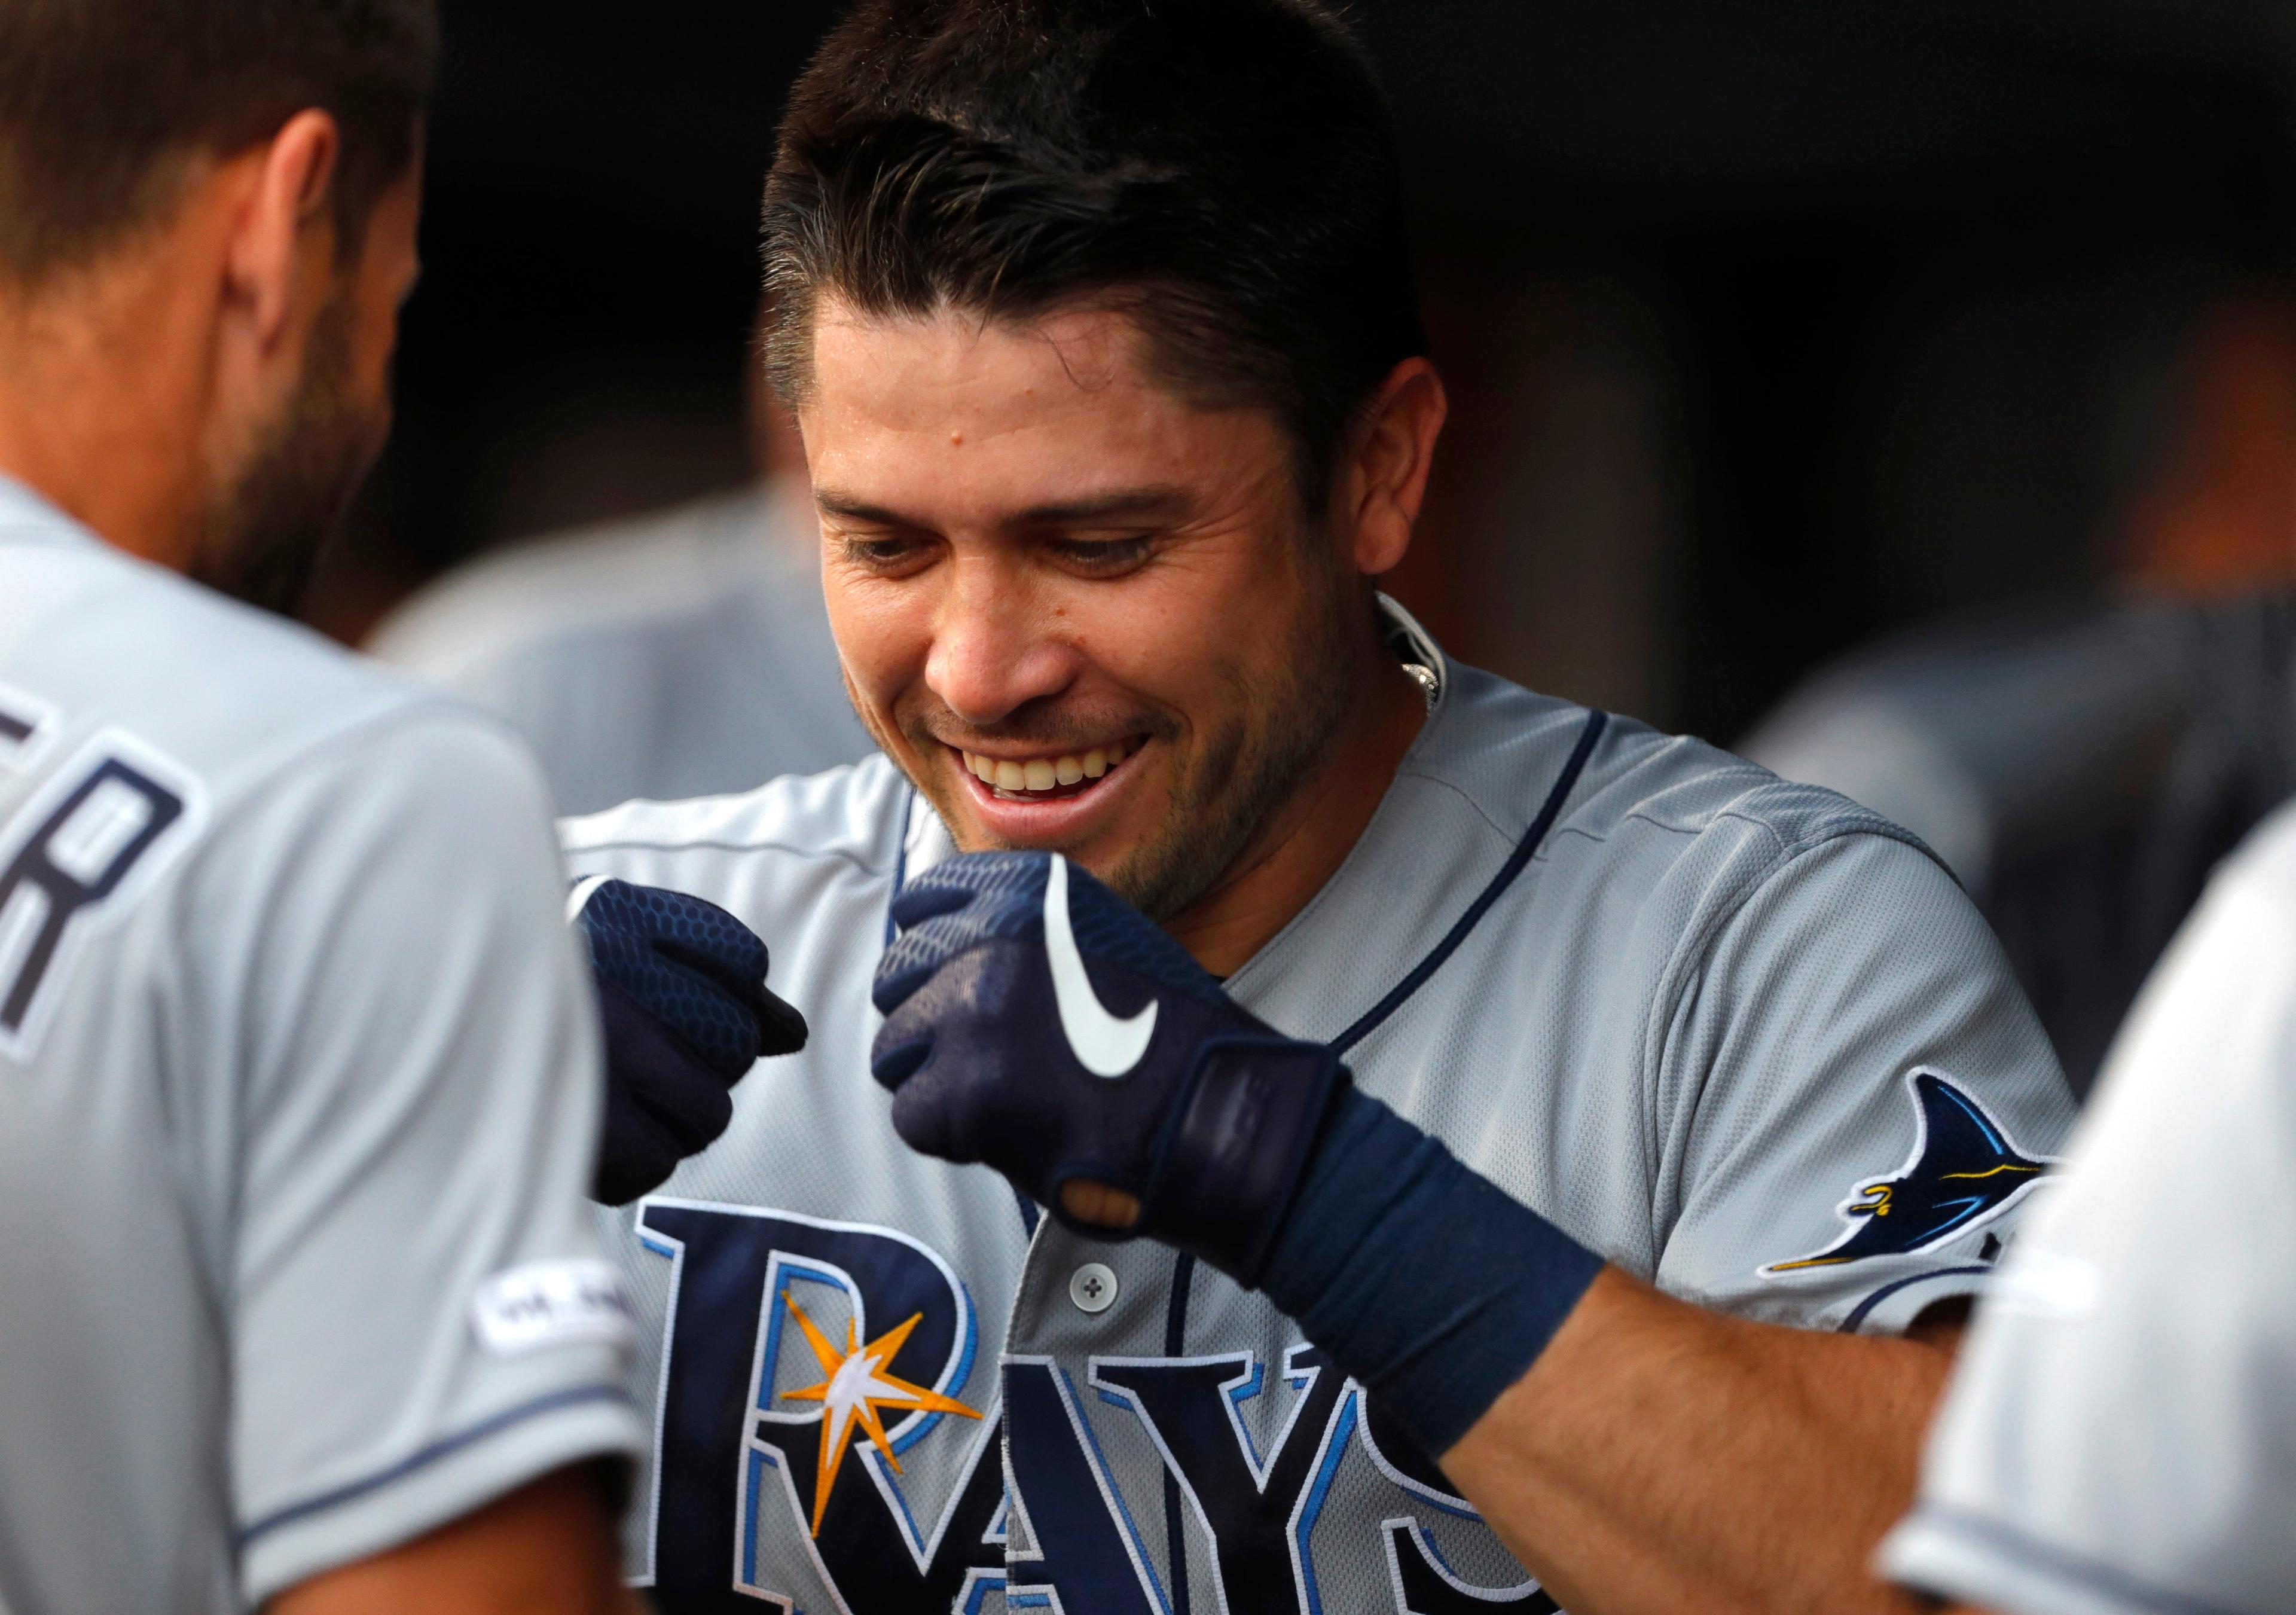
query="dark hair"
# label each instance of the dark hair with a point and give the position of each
(1220, 169)
(101, 100)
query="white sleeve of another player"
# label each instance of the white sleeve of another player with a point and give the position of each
(1857, 1102)
(422, 1320)
(2121, 1434)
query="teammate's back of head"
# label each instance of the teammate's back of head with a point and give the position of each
(104, 104)
(1222, 170)
(207, 226)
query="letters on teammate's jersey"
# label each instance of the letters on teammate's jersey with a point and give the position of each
(76, 852)
(810, 1367)
(26, 724)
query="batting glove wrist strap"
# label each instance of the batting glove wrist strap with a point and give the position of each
(1236, 1147)
(1427, 1283)
(1038, 1023)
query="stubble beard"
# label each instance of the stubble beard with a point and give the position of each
(264, 535)
(1243, 776)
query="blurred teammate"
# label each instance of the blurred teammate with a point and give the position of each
(680, 654)
(299, 1067)
(1556, 1150)
(2081, 769)
(2083, 765)
(2121, 1431)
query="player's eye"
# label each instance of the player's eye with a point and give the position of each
(885, 553)
(1102, 557)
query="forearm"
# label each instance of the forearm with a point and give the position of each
(1658, 1457)
(548, 1546)
(1635, 1452)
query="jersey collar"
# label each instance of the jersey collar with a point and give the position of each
(1416, 648)
(27, 518)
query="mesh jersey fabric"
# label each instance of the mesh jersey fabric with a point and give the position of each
(1686, 1034)
(296, 1057)
(2120, 1433)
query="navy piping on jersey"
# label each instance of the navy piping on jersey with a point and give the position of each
(1176, 1320)
(2116, 1585)
(1859, 1312)
(1176, 1340)
(442, 1447)
(1490, 894)
(1597, 721)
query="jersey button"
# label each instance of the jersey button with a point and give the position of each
(1092, 1287)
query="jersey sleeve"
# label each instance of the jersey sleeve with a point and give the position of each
(2121, 1434)
(1856, 1101)
(421, 1316)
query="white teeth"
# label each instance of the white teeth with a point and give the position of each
(1040, 773)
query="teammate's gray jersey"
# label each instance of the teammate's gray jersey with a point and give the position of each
(2121, 1432)
(298, 1095)
(1731, 1033)
(677, 655)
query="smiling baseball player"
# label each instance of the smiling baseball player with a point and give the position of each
(1364, 1137)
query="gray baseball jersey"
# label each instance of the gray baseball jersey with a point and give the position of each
(677, 655)
(1739, 1036)
(299, 1093)
(2121, 1435)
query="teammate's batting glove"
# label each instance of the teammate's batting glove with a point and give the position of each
(682, 992)
(1143, 1074)
(1038, 1023)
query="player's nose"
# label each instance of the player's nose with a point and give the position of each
(995, 649)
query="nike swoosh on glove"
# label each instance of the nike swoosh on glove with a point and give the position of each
(1039, 1023)
(682, 993)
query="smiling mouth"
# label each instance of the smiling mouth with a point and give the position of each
(1047, 779)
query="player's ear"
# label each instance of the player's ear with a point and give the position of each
(1384, 480)
(279, 237)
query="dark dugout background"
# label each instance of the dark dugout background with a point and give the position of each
(1772, 327)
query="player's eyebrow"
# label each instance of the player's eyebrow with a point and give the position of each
(1150, 502)
(853, 509)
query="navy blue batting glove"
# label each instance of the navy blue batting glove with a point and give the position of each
(1039, 1023)
(682, 993)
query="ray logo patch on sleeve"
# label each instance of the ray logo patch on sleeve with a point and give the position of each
(1964, 1169)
